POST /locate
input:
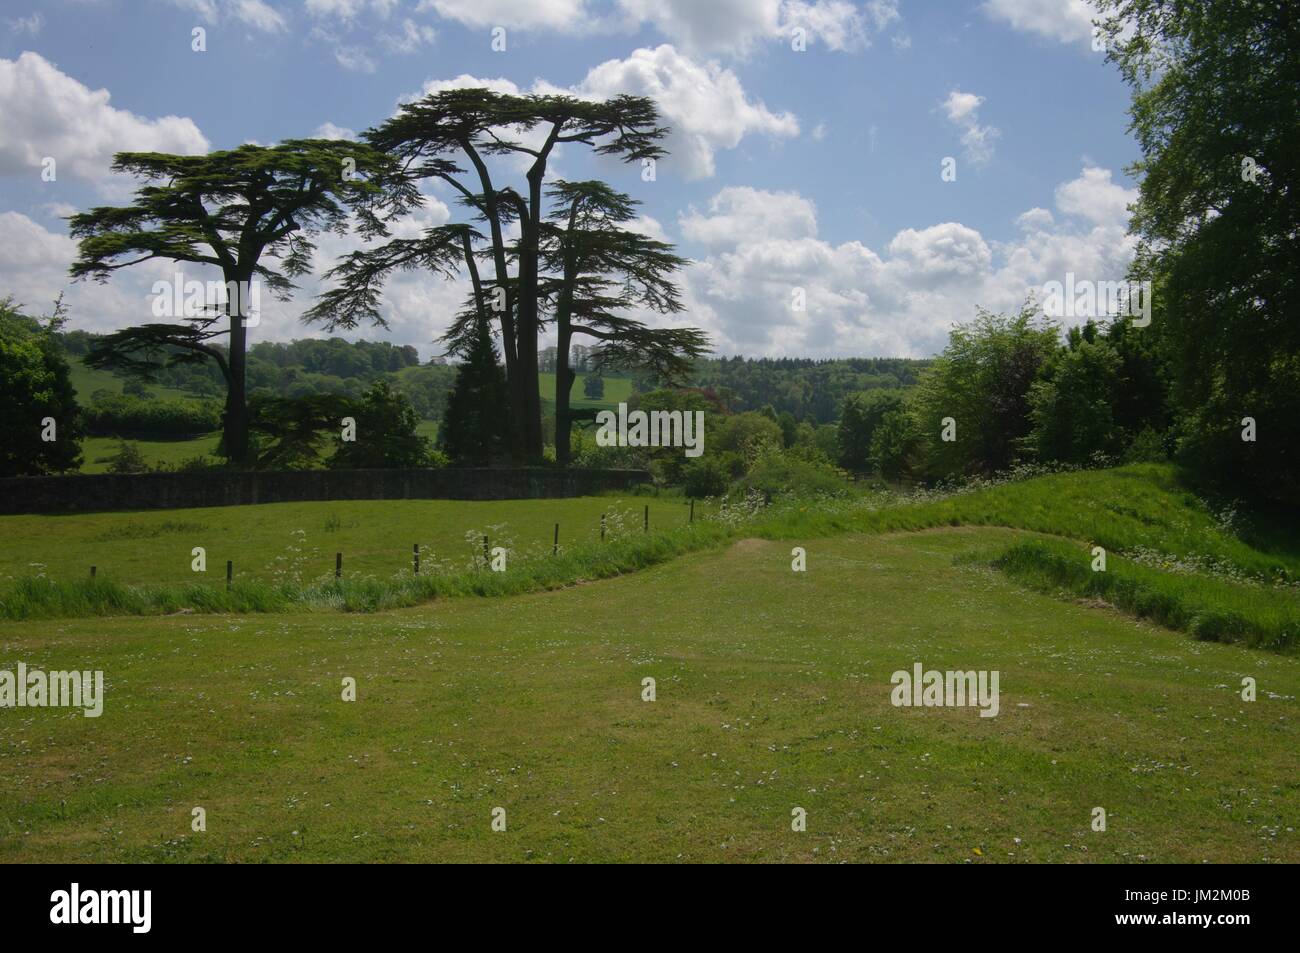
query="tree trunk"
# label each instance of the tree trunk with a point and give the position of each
(564, 378)
(235, 432)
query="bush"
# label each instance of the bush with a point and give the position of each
(779, 474)
(128, 459)
(706, 476)
(122, 414)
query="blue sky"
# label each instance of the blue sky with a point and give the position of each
(816, 169)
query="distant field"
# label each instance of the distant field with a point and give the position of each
(772, 693)
(617, 390)
(87, 380)
(298, 541)
(98, 451)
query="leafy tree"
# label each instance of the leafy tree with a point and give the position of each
(859, 418)
(1072, 404)
(1216, 93)
(789, 428)
(474, 429)
(982, 382)
(895, 445)
(291, 433)
(386, 436)
(128, 459)
(252, 213)
(35, 385)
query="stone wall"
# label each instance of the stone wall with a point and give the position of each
(137, 491)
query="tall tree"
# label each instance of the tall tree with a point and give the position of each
(596, 269)
(1216, 93)
(39, 417)
(252, 213)
(475, 428)
(474, 125)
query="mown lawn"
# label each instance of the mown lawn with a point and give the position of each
(772, 693)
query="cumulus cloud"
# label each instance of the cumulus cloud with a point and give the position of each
(1095, 197)
(48, 113)
(742, 290)
(977, 140)
(327, 130)
(734, 27)
(704, 104)
(1067, 21)
(738, 213)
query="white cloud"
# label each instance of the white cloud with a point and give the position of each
(348, 9)
(567, 15)
(48, 113)
(704, 104)
(354, 58)
(31, 25)
(327, 130)
(737, 213)
(963, 112)
(411, 37)
(255, 13)
(1067, 21)
(1095, 197)
(1036, 220)
(734, 27)
(902, 303)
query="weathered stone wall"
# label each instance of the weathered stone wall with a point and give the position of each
(114, 491)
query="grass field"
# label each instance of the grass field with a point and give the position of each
(298, 541)
(617, 389)
(772, 693)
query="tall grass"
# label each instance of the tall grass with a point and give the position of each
(1208, 608)
(42, 598)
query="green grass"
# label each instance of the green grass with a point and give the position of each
(1207, 607)
(1125, 509)
(87, 380)
(773, 692)
(1185, 570)
(97, 452)
(296, 543)
(617, 390)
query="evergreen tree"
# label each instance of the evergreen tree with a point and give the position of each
(475, 429)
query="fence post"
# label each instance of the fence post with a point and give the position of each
(338, 565)
(555, 547)
(602, 527)
(487, 555)
(415, 558)
(647, 517)
(92, 572)
(692, 519)
(230, 572)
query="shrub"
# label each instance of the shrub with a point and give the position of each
(706, 476)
